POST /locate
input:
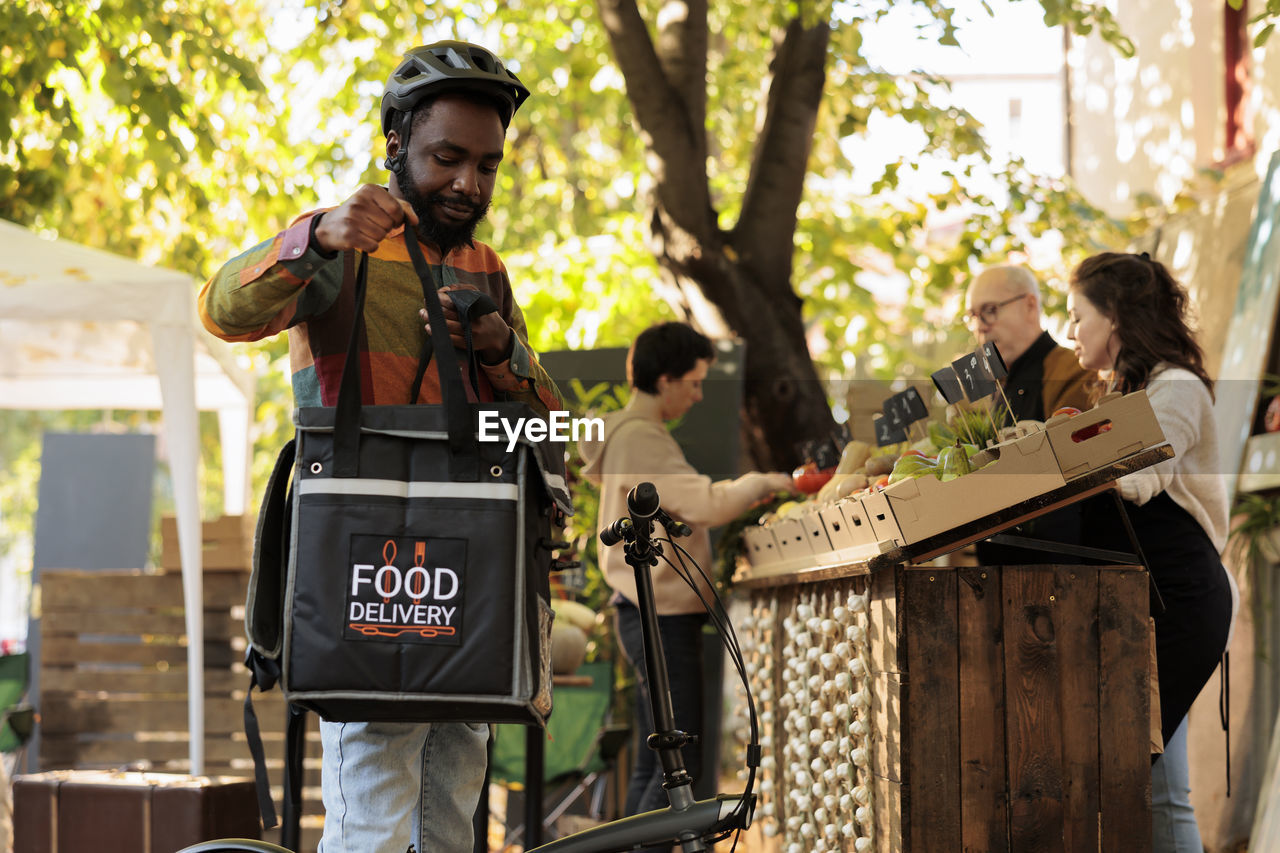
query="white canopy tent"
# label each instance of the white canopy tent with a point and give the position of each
(85, 329)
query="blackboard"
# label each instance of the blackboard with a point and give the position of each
(93, 511)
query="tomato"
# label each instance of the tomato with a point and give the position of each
(1069, 411)
(809, 479)
(1090, 431)
(1273, 415)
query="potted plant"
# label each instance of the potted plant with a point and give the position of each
(1255, 530)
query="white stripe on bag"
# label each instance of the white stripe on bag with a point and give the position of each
(401, 489)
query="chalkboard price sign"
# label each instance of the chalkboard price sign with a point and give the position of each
(975, 379)
(912, 406)
(886, 433)
(948, 384)
(894, 413)
(995, 361)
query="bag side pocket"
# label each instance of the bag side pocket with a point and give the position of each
(264, 607)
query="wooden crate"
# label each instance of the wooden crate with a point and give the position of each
(113, 681)
(1007, 708)
(67, 811)
(227, 543)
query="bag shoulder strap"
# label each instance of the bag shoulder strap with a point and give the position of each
(264, 611)
(294, 749)
(295, 734)
(471, 305)
(253, 734)
(464, 457)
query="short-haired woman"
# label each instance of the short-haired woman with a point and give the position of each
(665, 367)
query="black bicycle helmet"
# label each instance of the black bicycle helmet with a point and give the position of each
(450, 66)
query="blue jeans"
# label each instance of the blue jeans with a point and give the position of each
(388, 785)
(682, 647)
(1173, 821)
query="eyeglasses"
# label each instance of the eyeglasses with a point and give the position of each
(987, 311)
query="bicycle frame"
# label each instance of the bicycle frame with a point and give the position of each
(687, 827)
(685, 821)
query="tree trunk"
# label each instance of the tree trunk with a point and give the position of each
(785, 402)
(745, 273)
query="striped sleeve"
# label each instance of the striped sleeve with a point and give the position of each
(521, 377)
(255, 295)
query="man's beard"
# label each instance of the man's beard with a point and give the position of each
(444, 236)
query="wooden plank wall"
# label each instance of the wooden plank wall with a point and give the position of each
(1024, 709)
(983, 793)
(927, 656)
(114, 681)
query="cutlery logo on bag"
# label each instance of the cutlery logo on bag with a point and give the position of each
(405, 589)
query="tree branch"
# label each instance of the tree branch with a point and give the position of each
(676, 145)
(682, 50)
(765, 231)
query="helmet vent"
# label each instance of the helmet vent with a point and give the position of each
(447, 66)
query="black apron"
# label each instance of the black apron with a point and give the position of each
(1191, 632)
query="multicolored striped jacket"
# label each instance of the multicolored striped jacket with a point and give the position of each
(286, 283)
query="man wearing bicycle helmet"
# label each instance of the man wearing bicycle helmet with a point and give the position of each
(445, 111)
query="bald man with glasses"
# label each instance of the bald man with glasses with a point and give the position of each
(1003, 305)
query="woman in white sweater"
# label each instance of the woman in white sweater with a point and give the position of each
(1128, 322)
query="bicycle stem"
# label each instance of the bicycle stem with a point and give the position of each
(641, 553)
(685, 822)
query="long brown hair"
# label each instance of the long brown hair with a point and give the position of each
(1149, 309)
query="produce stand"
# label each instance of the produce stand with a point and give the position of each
(921, 708)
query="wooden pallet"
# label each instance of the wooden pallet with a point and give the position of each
(113, 680)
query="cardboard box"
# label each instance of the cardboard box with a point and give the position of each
(793, 541)
(69, 811)
(844, 533)
(1117, 427)
(227, 543)
(762, 548)
(1028, 465)
(832, 535)
(926, 506)
(784, 546)
(883, 525)
(816, 534)
(848, 520)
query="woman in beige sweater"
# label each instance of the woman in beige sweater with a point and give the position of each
(666, 367)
